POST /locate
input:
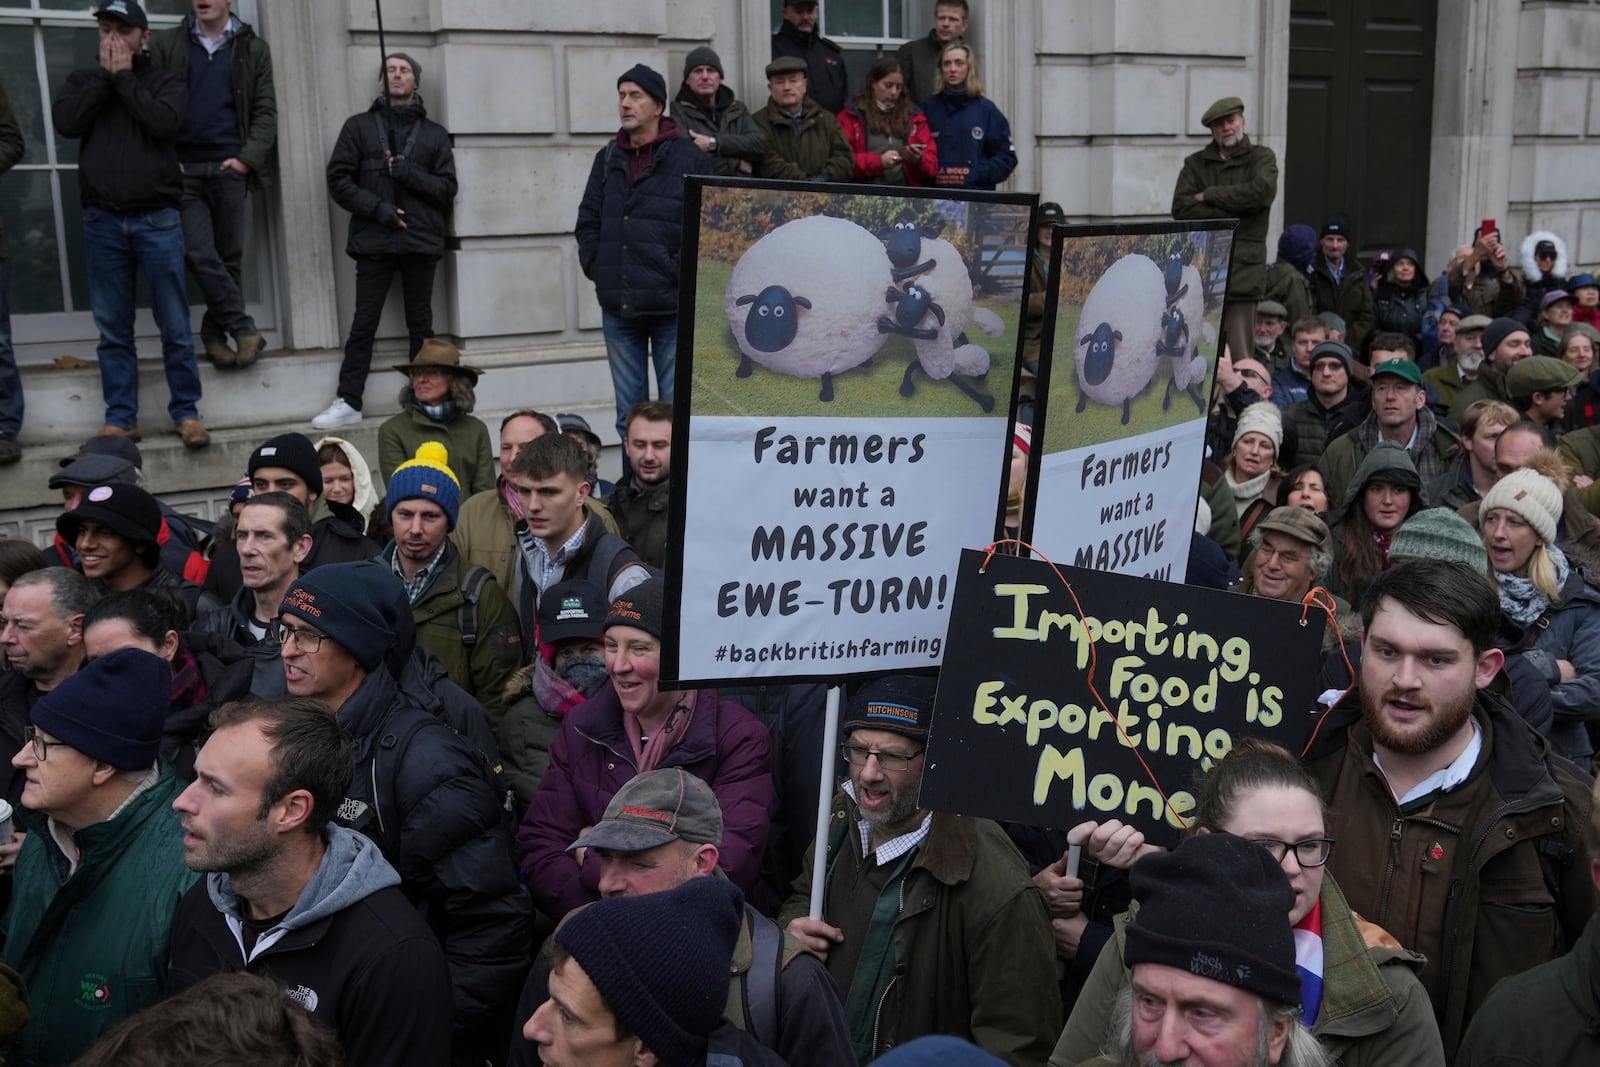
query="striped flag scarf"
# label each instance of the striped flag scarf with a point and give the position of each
(1308, 961)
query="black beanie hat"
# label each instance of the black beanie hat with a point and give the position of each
(351, 603)
(1216, 906)
(654, 85)
(640, 607)
(293, 452)
(662, 961)
(1497, 331)
(704, 56)
(112, 710)
(899, 703)
(1338, 223)
(126, 510)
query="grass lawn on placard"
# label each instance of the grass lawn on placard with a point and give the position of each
(869, 390)
(1066, 428)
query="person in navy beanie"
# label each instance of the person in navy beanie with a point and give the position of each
(657, 964)
(100, 871)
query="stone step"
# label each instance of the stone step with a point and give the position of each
(280, 393)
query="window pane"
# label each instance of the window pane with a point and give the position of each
(66, 49)
(22, 87)
(168, 7)
(31, 242)
(853, 18)
(72, 216)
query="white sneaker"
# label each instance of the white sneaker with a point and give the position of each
(336, 415)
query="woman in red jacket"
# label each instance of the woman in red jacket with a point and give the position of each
(887, 132)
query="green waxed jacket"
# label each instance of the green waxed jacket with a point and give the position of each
(1243, 186)
(464, 436)
(1374, 1011)
(93, 946)
(973, 952)
(255, 98)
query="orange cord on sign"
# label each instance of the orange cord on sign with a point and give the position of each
(1178, 820)
(1319, 597)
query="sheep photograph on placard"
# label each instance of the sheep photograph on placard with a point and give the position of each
(849, 303)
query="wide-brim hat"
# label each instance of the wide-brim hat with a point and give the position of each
(439, 353)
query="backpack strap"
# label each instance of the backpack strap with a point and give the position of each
(467, 613)
(761, 981)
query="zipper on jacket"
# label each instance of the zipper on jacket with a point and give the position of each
(377, 809)
(877, 1015)
(1396, 831)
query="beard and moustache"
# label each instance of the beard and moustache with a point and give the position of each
(1446, 720)
(586, 674)
(1469, 361)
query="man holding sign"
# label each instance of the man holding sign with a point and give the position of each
(932, 924)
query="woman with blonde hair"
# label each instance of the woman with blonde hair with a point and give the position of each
(972, 135)
(1546, 597)
(1251, 468)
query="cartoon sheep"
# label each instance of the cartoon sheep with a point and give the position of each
(1119, 331)
(1185, 315)
(943, 285)
(805, 299)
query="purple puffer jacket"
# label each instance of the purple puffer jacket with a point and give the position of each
(591, 759)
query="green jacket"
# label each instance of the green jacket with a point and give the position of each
(1374, 1011)
(1243, 186)
(1350, 298)
(973, 952)
(465, 437)
(11, 149)
(487, 535)
(1490, 384)
(93, 947)
(1580, 451)
(255, 99)
(800, 151)
(483, 668)
(1543, 1016)
(1289, 287)
(1438, 456)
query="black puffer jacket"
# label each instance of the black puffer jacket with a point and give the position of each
(335, 539)
(129, 123)
(628, 231)
(422, 183)
(1399, 308)
(728, 120)
(431, 802)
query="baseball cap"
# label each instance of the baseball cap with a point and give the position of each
(654, 808)
(1400, 368)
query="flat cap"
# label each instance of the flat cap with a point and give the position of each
(1272, 307)
(1472, 322)
(1298, 523)
(1540, 374)
(786, 65)
(1228, 105)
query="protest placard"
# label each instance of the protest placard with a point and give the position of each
(846, 361)
(1105, 701)
(1128, 349)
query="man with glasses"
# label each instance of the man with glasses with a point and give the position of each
(931, 923)
(101, 870)
(420, 791)
(1460, 836)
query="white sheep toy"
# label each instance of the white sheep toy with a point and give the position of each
(805, 299)
(1119, 330)
(1182, 327)
(933, 310)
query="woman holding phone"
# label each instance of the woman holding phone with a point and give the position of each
(887, 132)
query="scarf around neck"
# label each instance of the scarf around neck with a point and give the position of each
(1249, 490)
(647, 755)
(1521, 600)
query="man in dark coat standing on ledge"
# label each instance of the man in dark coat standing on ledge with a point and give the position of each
(1232, 178)
(797, 36)
(629, 226)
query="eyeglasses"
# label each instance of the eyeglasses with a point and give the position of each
(308, 641)
(41, 747)
(857, 756)
(1312, 852)
(1257, 375)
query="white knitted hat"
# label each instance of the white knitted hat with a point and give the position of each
(1529, 494)
(1263, 418)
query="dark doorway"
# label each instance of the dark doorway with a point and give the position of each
(1361, 117)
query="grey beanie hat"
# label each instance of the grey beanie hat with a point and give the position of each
(416, 68)
(704, 56)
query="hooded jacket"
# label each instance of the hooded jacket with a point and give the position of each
(1400, 308)
(352, 951)
(250, 79)
(128, 123)
(1388, 463)
(433, 805)
(629, 229)
(590, 760)
(1374, 1012)
(367, 495)
(421, 182)
(1486, 880)
(1535, 282)
(93, 945)
(727, 119)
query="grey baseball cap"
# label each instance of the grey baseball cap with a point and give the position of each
(654, 808)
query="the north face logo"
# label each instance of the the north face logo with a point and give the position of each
(350, 810)
(304, 996)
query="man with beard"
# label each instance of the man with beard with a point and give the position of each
(968, 950)
(290, 894)
(1460, 832)
(1466, 357)
(642, 499)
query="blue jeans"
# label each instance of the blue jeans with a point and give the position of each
(631, 344)
(116, 247)
(10, 379)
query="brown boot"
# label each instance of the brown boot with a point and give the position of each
(251, 346)
(194, 435)
(108, 430)
(220, 355)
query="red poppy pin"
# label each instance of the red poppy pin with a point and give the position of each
(1436, 852)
